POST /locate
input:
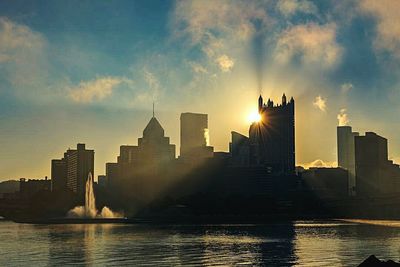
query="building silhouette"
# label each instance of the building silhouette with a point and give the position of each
(154, 147)
(194, 137)
(326, 183)
(346, 155)
(239, 149)
(30, 187)
(102, 180)
(139, 166)
(375, 174)
(59, 174)
(72, 170)
(272, 139)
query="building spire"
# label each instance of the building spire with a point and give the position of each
(260, 104)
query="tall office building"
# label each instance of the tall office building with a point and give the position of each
(154, 147)
(239, 149)
(80, 162)
(375, 174)
(151, 155)
(346, 155)
(272, 139)
(59, 174)
(195, 137)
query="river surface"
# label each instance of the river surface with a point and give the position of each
(301, 243)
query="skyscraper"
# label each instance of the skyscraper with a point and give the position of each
(239, 149)
(375, 174)
(194, 137)
(80, 162)
(346, 151)
(150, 157)
(154, 147)
(59, 174)
(272, 139)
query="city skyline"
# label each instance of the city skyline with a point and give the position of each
(82, 79)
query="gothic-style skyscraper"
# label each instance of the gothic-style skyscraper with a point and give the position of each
(272, 138)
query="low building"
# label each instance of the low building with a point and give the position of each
(30, 187)
(326, 182)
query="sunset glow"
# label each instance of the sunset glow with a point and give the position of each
(254, 117)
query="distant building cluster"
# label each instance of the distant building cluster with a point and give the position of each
(260, 164)
(370, 172)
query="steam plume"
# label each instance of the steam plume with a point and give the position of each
(343, 118)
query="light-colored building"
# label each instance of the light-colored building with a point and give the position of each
(346, 155)
(195, 137)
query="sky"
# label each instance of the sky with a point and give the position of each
(89, 71)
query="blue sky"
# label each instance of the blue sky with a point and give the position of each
(88, 71)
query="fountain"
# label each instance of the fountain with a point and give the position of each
(89, 211)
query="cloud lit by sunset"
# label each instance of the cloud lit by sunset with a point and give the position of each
(65, 79)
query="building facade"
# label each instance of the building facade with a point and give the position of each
(375, 174)
(59, 174)
(194, 137)
(141, 165)
(346, 155)
(80, 162)
(272, 139)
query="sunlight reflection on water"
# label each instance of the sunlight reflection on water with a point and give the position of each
(302, 243)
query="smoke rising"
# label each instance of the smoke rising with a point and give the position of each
(343, 118)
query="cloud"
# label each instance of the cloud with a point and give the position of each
(152, 82)
(290, 7)
(388, 24)
(95, 90)
(343, 118)
(346, 87)
(320, 103)
(311, 42)
(197, 67)
(23, 58)
(225, 63)
(16, 39)
(217, 27)
(319, 163)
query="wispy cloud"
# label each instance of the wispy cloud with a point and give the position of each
(346, 87)
(342, 117)
(197, 67)
(312, 43)
(22, 57)
(17, 39)
(225, 63)
(95, 90)
(320, 103)
(217, 27)
(386, 13)
(291, 7)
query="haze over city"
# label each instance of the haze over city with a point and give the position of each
(92, 72)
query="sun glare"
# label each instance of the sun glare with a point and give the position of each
(254, 117)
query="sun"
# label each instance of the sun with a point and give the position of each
(254, 117)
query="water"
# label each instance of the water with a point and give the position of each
(303, 243)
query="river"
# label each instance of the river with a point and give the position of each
(300, 243)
